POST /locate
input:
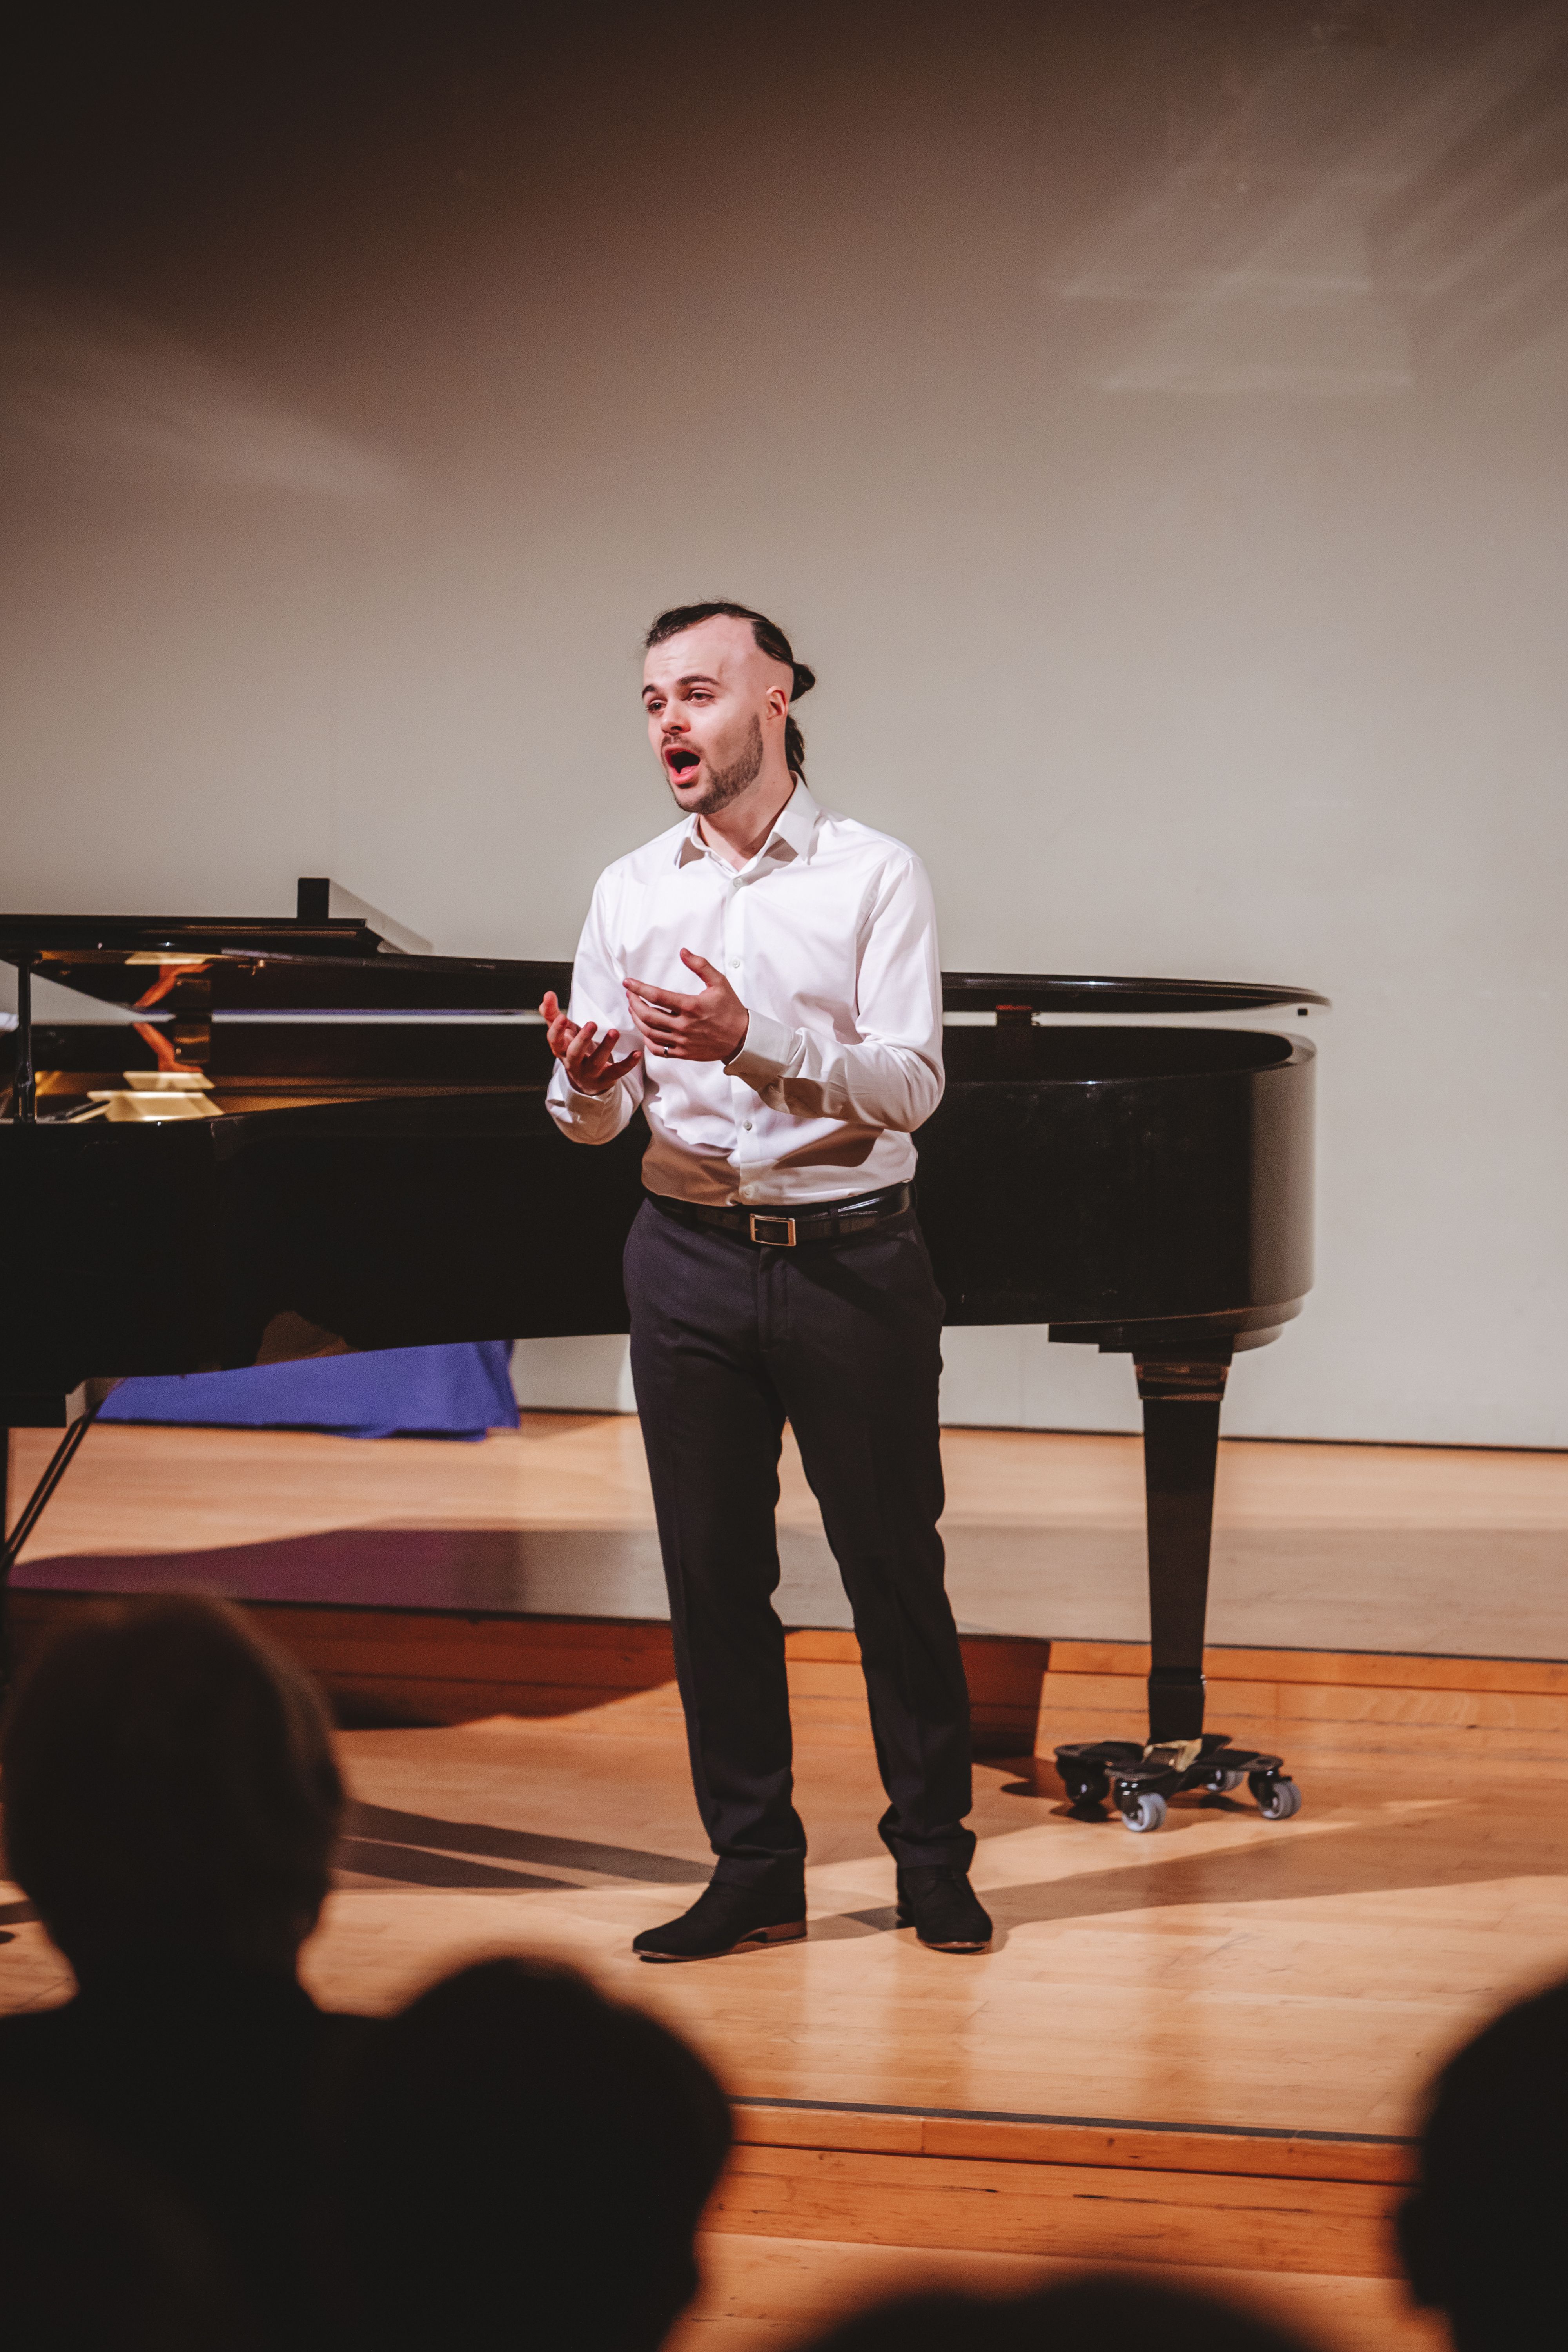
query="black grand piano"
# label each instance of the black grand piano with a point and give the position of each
(314, 1135)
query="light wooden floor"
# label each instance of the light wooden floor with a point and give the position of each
(763, 2294)
(1439, 1550)
(1306, 1977)
(1230, 1971)
(1228, 1974)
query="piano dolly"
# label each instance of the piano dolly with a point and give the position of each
(1142, 1779)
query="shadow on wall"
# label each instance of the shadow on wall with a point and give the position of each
(91, 395)
(1352, 205)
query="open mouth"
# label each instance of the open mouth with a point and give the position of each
(679, 759)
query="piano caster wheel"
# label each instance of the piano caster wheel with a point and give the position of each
(1145, 1810)
(1278, 1797)
(1091, 1791)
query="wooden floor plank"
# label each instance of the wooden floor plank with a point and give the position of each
(1054, 2139)
(1089, 2213)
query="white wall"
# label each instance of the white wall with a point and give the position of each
(1152, 434)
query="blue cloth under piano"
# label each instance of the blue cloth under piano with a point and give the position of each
(451, 1392)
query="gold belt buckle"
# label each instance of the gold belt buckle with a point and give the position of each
(772, 1240)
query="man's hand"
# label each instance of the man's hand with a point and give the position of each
(707, 1028)
(589, 1065)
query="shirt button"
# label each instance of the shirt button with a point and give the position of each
(747, 1125)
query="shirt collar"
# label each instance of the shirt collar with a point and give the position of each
(794, 826)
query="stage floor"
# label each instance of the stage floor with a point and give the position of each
(1292, 1986)
(1206, 2048)
(1441, 1551)
(1228, 1972)
(765, 2294)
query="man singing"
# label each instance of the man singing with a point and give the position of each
(776, 1271)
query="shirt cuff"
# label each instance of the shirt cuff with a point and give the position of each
(767, 1052)
(587, 1114)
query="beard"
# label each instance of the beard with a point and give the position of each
(727, 784)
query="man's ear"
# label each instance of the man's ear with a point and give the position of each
(777, 700)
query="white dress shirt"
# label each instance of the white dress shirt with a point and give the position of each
(828, 937)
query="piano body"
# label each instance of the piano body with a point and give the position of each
(314, 1137)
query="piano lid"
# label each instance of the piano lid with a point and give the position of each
(327, 921)
(986, 991)
(339, 955)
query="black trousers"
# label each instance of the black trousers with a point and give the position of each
(843, 1340)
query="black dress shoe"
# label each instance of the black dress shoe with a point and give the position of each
(939, 1903)
(728, 1918)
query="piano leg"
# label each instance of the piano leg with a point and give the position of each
(85, 1403)
(1182, 1398)
(1180, 1440)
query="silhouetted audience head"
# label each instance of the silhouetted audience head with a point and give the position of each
(525, 2162)
(1480, 2235)
(1088, 2314)
(93, 2253)
(169, 1785)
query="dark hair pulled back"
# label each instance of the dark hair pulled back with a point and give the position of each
(770, 639)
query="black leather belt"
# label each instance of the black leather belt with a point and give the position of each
(824, 1221)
